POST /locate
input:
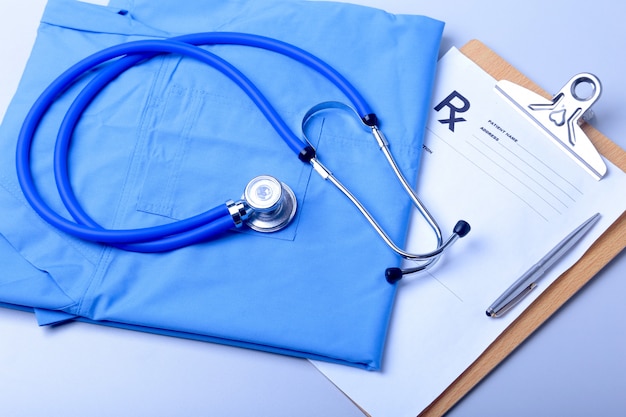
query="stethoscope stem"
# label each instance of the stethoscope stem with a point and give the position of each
(460, 229)
(384, 147)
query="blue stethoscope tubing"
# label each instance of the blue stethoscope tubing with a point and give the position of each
(204, 226)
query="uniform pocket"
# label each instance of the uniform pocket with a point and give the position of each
(201, 142)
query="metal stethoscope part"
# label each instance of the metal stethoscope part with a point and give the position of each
(272, 204)
(428, 259)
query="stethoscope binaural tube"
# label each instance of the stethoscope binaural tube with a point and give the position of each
(213, 222)
(426, 260)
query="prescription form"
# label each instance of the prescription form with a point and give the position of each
(484, 163)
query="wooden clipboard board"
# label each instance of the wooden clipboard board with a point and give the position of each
(609, 245)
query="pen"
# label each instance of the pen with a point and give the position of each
(527, 282)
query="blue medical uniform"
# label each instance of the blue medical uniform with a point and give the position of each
(171, 138)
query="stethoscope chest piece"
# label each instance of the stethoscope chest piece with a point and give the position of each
(272, 202)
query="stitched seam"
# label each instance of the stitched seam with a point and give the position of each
(86, 300)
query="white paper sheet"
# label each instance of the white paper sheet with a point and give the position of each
(521, 194)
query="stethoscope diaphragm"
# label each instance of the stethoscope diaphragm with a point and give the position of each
(272, 202)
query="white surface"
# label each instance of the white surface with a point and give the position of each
(574, 365)
(439, 325)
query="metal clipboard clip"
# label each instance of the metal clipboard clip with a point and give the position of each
(560, 118)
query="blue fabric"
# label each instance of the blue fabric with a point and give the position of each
(171, 138)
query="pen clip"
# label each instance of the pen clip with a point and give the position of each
(512, 302)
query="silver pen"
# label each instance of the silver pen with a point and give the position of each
(527, 282)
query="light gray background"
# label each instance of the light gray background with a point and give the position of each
(574, 365)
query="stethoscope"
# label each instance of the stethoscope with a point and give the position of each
(267, 204)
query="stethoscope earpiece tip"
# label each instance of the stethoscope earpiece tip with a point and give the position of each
(461, 228)
(393, 275)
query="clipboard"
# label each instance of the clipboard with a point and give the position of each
(609, 245)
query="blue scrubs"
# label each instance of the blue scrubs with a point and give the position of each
(171, 138)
